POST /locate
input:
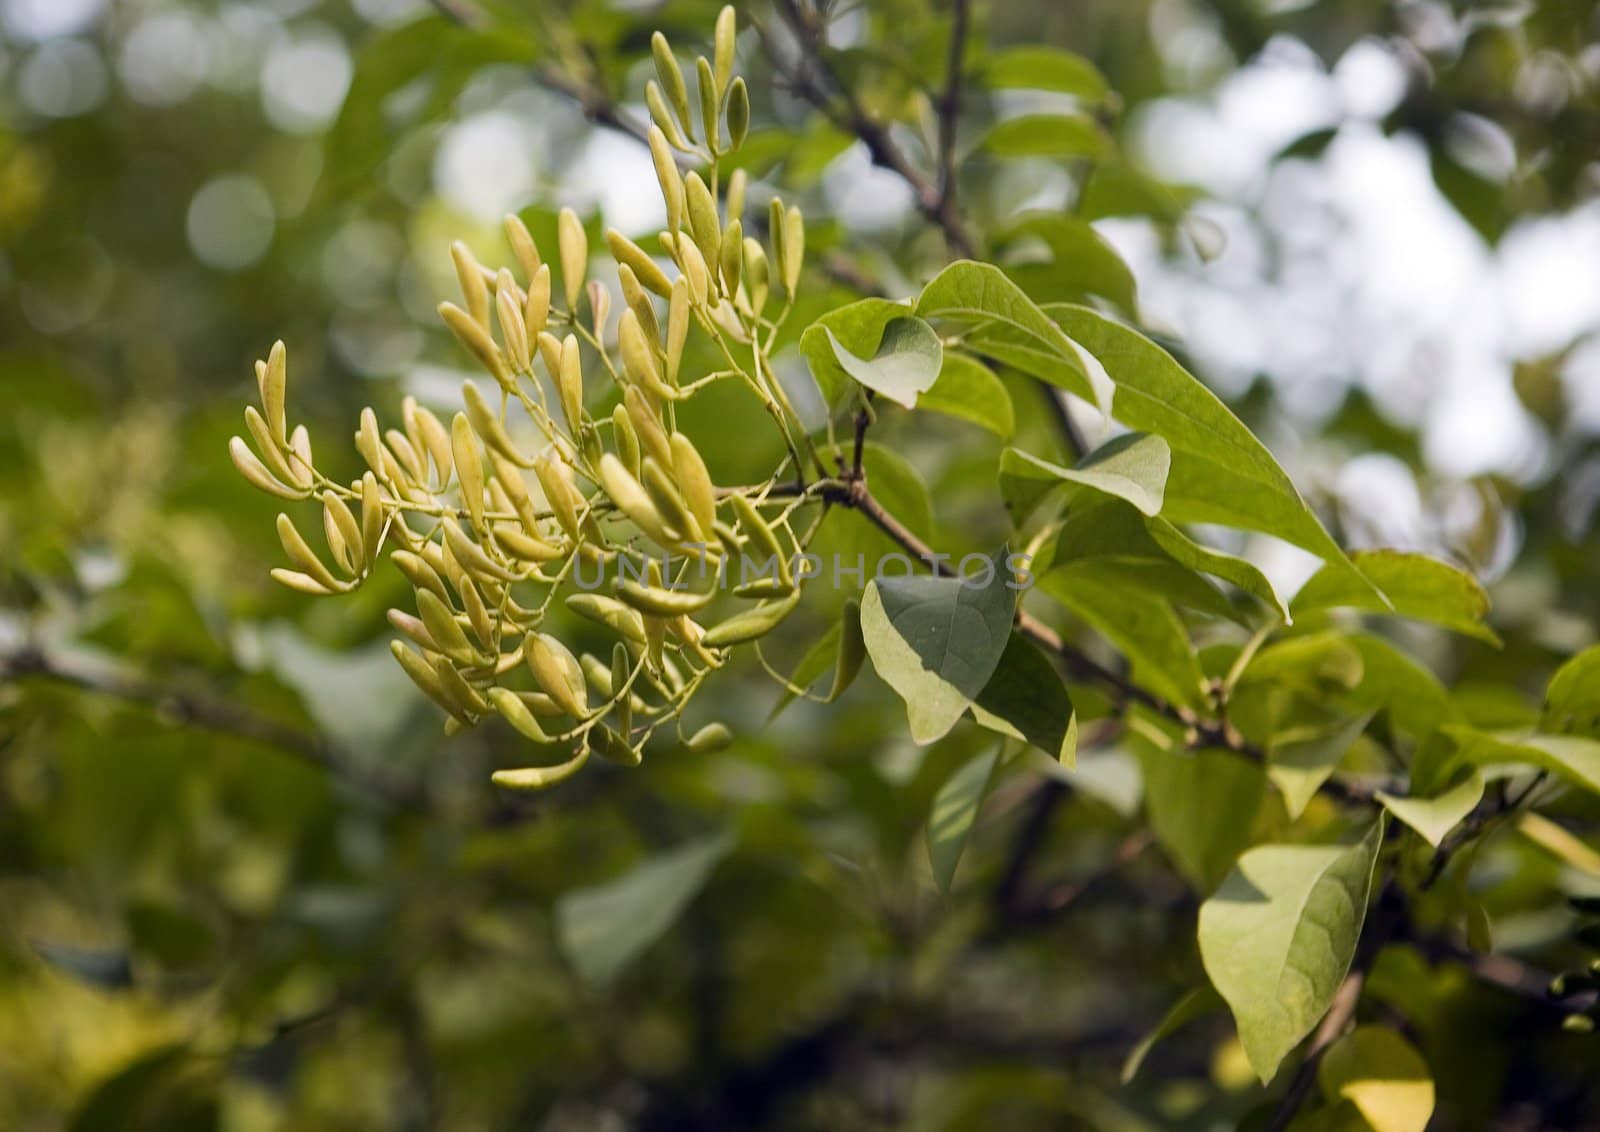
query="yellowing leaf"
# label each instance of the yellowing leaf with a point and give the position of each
(1383, 1076)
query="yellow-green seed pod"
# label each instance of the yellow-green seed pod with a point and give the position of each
(667, 174)
(513, 325)
(733, 196)
(660, 602)
(274, 382)
(470, 556)
(671, 78)
(409, 459)
(757, 274)
(621, 619)
(738, 114)
(299, 552)
(618, 678)
(646, 426)
(723, 43)
(775, 230)
(253, 470)
(599, 306)
(732, 544)
(559, 493)
(477, 341)
(425, 678)
(523, 246)
(648, 272)
(469, 467)
(677, 328)
(661, 117)
(536, 309)
(704, 225)
(417, 571)
(516, 713)
(751, 624)
(573, 244)
(633, 501)
(370, 444)
(569, 381)
(302, 583)
(709, 101)
(557, 672)
(639, 303)
(664, 494)
(694, 481)
(435, 441)
(599, 677)
(467, 697)
(690, 633)
(710, 739)
(472, 604)
(443, 627)
(732, 256)
(486, 423)
(794, 248)
(529, 548)
(272, 451)
(763, 539)
(537, 702)
(638, 357)
(301, 463)
(539, 777)
(763, 588)
(412, 628)
(343, 533)
(474, 291)
(625, 439)
(371, 519)
(509, 483)
(695, 272)
(613, 747)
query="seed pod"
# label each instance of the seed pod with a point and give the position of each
(469, 467)
(732, 255)
(694, 481)
(660, 602)
(751, 624)
(343, 533)
(301, 463)
(515, 712)
(409, 459)
(371, 520)
(669, 177)
(300, 553)
(435, 440)
(599, 677)
(723, 42)
(695, 272)
(662, 118)
(523, 246)
(301, 583)
(599, 306)
(704, 225)
(738, 114)
(559, 492)
(671, 76)
(630, 497)
(413, 628)
(764, 588)
(536, 309)
(253, 470)
(640, 304)
(733, 196)
(757, 274)
(638, 359)
(477, 616)
(573, 245)
(648, 272)
(732, 544)
(677, 328)
(690, 633)
(509, 482)
(477, 341)
(273, 379)
(664, 494)
(569, 382)
(443, 627)
(513, 325)
(272, 451)
(424, 677)
(613, 747)
(710, 739)
(486, 423)
(467, 698)
(618, 678)
(417, 571)
(709, 101)
(762, 537)
(529, 548)
(794, 248)
(852, 650)
(646, 426)
(474, 291)
(539, 777)
(625, 439)
(775, 230)
(621, 619)
(470, 555)
(556, 671)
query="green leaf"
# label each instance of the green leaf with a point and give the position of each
(1313, 664)
(1573, 757)
(1045, 68)
(1202, 807)
(1435, 817)
(1144, 629)
(859, 329)
(603, 929)
(1559, 842)
(937, 641)
(1391, 681)
(1572, 700)
(955, 809)
(1027, 699)
(1132, 467)
(1382, 1075)
(1416, 586)
(1048, 135)
(1081, 262)
(1300, 763)
(1278, 937)
(1199, 1002)
(906, 364)
(969, 390)
(167, 1088)
(812, 665)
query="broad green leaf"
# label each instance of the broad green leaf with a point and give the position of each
(1573, 757)
(1277, 938)
(1300, 763)
(603, 929)
(1313, 664)
(1435, 817)
(813, 664)
(168, 1087)
(1572, 701)
(1081, 262)
(1202, 806)
(955, 809)
(1048, 135)
(1559, 842)
(1027, 699)
(937, 641)
(969, 390)
(1391, 681)
(1131, 467)
(1380, 1073)
(859, 329)
(1416, 586)
(1146, 630)
(1199, 1002)
(905, 365)
(1045, 68)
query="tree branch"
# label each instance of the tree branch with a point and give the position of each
(950, 105)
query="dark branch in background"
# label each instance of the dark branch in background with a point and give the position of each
(213, 715)
(1498, 805)
(950, 107)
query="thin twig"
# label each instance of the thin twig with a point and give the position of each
(950, 105)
